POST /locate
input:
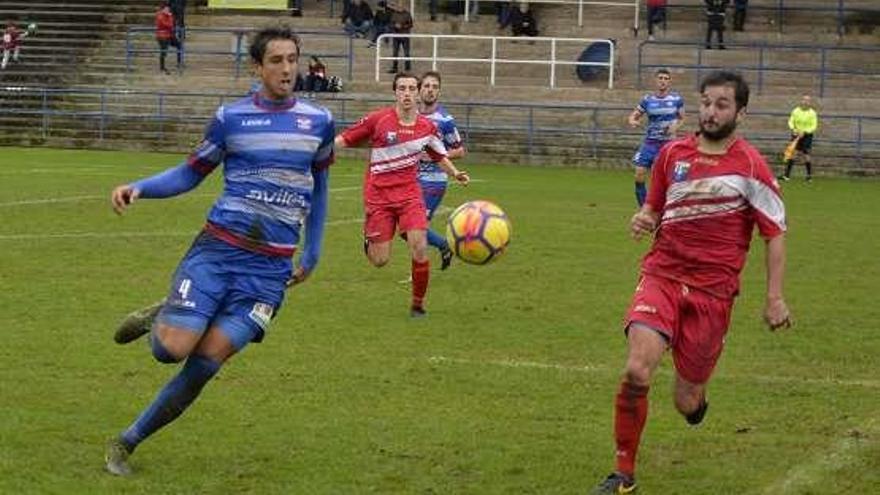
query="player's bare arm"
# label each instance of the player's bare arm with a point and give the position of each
(122, 196)
(635, 118)
(456, 153)
(675, 125)
(460, 176)
(776, 313)
(644, 222)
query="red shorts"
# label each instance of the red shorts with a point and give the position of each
(694, 323)
(382, 220)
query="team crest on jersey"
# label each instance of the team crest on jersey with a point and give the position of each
(391, 137)
(680, 172)
(304, 123)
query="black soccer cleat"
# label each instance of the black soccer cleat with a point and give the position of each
(445, 258)
(697, 416)
(615, 484)
(137, 323)
(417, 312)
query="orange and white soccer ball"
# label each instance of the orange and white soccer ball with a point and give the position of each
(478, 232)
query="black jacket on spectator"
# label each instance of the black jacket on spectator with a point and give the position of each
(357, 14)
(523, 23)
(716, 12)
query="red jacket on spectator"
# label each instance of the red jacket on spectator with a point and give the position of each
(164, 24)
(656, 3)
(11, 37)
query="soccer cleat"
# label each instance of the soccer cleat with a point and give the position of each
(697, 416)
(137, 323)
(417, 312)
(116, 458)
(615, 484)
(784, 178)
(445, 259)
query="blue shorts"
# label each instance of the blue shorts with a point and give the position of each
(646, 153)
(432, 192)
(217, 284)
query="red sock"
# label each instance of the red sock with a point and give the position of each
(630, 414)
(421, 272)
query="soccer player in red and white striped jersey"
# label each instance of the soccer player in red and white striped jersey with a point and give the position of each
(392, 196)
(708, 193)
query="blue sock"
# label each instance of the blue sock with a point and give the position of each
(172, 400)
(641, 193)
(437, 240)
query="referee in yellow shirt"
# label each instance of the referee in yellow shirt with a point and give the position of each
(803, 123)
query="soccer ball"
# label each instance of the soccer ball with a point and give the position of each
(478, 232)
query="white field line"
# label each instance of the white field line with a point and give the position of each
(106, 197)
(803, 477)
(513, 363)
(117, 235)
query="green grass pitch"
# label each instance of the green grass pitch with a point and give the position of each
(506, 387)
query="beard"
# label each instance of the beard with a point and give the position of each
(721, 133)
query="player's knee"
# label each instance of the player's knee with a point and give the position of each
(637, 373)
(162, 353)
(688, 399)
(378, 260)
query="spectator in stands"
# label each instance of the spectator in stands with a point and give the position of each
(433, 8)
(739, 14)
(165, 35)
(12, 37)
(716, 12)
(502, 14)
(803, 123)
(178, 10)
(316, 80)
(474, 14)
(522, 22)
(296, 7)
(401, 23)
(381, 22)
(656, 15)
(358, 19)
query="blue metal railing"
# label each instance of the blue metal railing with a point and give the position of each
(600, 126)
(761, 49)
(238, 54)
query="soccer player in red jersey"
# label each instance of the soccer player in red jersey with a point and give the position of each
(708, 192)
(392, 196)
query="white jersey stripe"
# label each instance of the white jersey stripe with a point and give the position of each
(759, 195)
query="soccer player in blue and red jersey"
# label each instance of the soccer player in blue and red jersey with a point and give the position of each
(398, 136)
(708, 193)
(432, 178)
(665, 111)
(276, 151)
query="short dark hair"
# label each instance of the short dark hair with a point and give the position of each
(728, 78)
(663, 70)
(260, 40)
(405, 75)
(431, 73)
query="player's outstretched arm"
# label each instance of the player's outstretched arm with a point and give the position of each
(644, 222)
(122, 196)
(451, 170)
(776, 313)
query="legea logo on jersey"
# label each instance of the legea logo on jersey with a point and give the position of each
(256, 122)
(304, 123)
(680, 172)
(391, 137)
(283, 198)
